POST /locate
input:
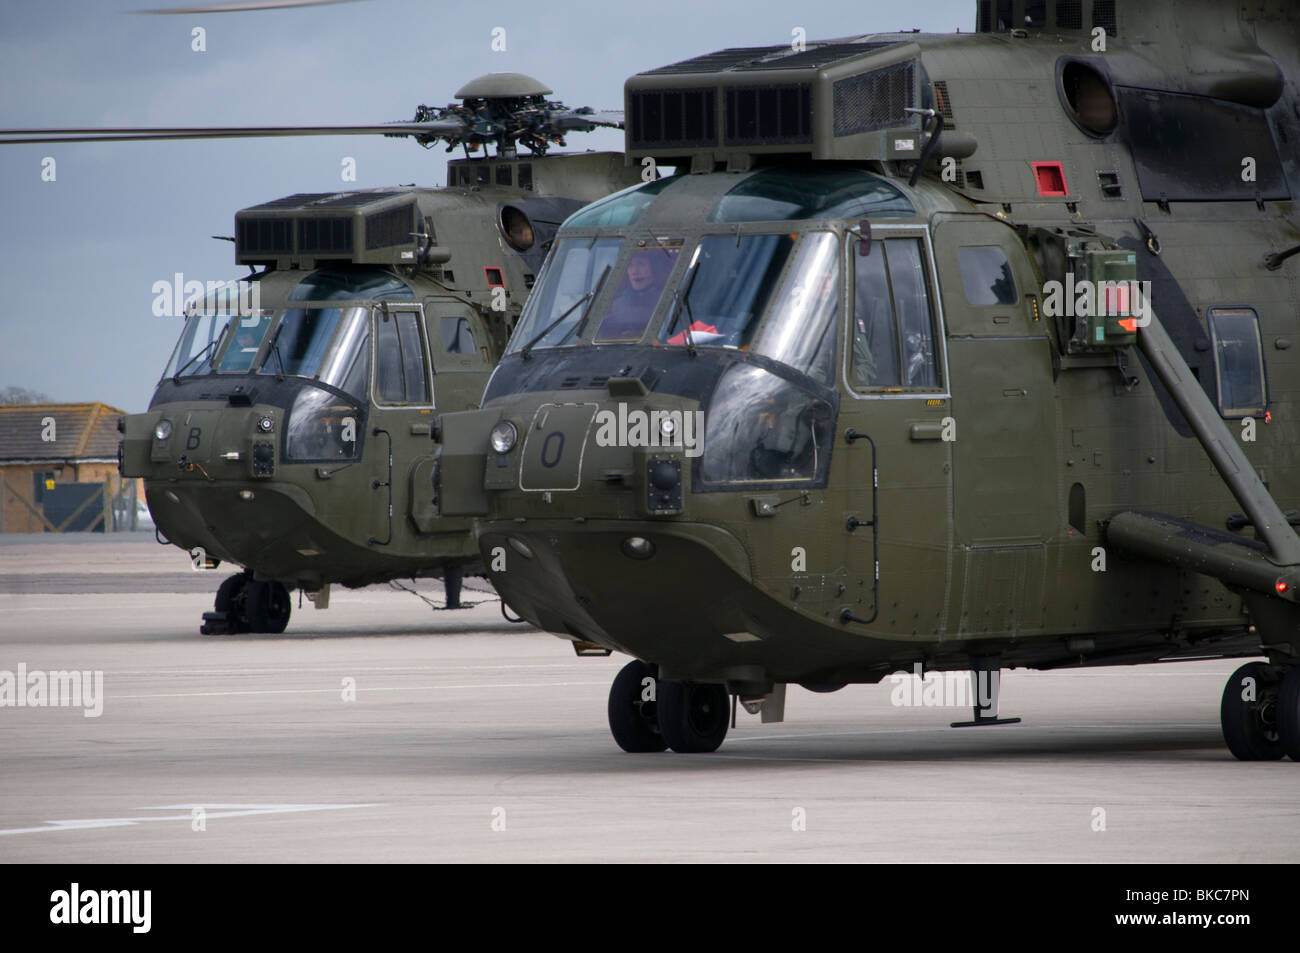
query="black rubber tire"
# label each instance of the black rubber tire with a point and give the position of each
(632, 720)
(1288, 713)
(1251, 728)
(268, 607)
(693, 716)
(231, 596)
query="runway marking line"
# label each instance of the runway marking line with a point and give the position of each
(210, 812)
(335, 691)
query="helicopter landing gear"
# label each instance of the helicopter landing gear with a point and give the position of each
(986, 686)
(1250, 712)
(267, 606)
(452, 577)
(245, 605)
(228, 616)
(632, 709)
(693, 716)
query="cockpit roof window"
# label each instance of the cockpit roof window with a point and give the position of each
(781, 195)
(621, 208)
(329, 284)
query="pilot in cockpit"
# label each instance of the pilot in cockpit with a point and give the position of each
(637, 294)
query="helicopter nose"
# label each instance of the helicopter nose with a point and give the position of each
(553, 447)
(625, 583)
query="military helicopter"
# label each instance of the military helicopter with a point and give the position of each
(289, 432)
(992, 336)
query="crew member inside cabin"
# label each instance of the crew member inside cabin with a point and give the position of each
(637, 294)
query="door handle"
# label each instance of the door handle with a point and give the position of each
(926, 431)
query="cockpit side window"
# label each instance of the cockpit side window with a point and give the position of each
(727, 289)
(986, 275)
(399, 359)
(893, 329)
(1239, 362)
(875, 339)
(912, 304)
(638, 292)
(457, 335)
(199, 343)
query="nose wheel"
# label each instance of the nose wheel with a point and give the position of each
(632, 709)
(1250, 713)
(243, 605)
(647, 713)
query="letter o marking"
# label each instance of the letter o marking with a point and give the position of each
(547, 460)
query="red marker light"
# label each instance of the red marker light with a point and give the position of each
(1268, 416)
(1281, 587)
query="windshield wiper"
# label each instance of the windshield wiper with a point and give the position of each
(523, 352)
(690, 319)
(176, 377)
(581, 324)
(682, 298)
(275, 349)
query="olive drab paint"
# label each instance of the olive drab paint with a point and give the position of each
(1051, 295)
(293, 432)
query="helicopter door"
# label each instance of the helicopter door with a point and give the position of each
(401, 392)
(459, 344)
(895, 527)
(1005, 505)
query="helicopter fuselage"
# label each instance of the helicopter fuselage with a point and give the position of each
(837, 528)
(294, 440)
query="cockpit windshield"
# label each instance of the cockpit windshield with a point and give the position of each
(312, 340)
(199, 342)
(247, 333)
(300, 340)
(801, 330)
(721, 295)
(726, 290)
(572, 274)
(638, 291)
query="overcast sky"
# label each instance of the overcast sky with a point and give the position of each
(79, 255)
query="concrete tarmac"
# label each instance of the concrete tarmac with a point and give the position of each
(470, 739)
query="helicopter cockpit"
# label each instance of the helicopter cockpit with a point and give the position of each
(749, 276)
(319, 340)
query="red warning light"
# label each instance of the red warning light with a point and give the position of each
(1281, 587)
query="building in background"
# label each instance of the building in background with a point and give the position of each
(58, 470)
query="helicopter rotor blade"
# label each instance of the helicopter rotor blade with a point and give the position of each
(432, 129)
(587, 119)
(240, 6)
